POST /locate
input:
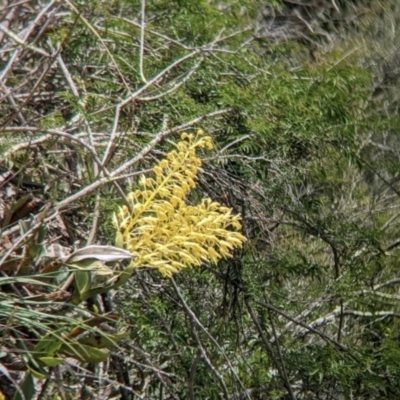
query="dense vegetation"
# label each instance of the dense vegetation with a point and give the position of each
(298, 102)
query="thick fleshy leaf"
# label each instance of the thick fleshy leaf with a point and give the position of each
(102, 253)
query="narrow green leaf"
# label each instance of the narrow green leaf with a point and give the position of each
(26, 390)
(84, 353)
(51, 361)
(49, 344)
(82, 280)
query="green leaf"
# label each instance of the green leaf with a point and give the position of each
(51, 361)
(82, 280)
(26, 390)
(37, 372)
(48, 345)
(84, 353)
(102, 341)
(15, 207)
(119, 240)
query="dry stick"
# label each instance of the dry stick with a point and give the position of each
(126, 176)
(176, 86)
(166, 38)
(115, 175)
(386, 225)
(192, 315)
(44, 27)
(21, 239)
(15, 228)
(59, 382)
(55, 132)
(236, 141)
(32, 91)
(136, 94)
(142, 26)
(157, 371)
(23, 41)
(95, 221)
(182, 45)
(20, 41)
(8, 19)
(355, 313)
(304, 314)
(75, 92)
(371, 292)
(82, 143)
(86, 22)
(32, 142)
(18, 3)
(305, 326)
(278, 346)
(96, 213)
(67, 76)
(14, 105)
(157, 139)
(341, 322)
(387, 283)
(208, 361)
(148, 84)
(335, 6)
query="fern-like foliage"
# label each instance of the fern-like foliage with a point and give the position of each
(162, 231)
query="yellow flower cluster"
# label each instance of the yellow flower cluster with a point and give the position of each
(162, 230)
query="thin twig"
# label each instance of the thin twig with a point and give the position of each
(136, 94)
(192, 315)
(91, 28)
(302, 324)
(139, 156)
(278, 347)
(23, 41)
(81, 143)
(176, 86)
(270, 350)
(142, 27)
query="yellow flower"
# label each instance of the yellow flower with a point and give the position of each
(164, 232)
